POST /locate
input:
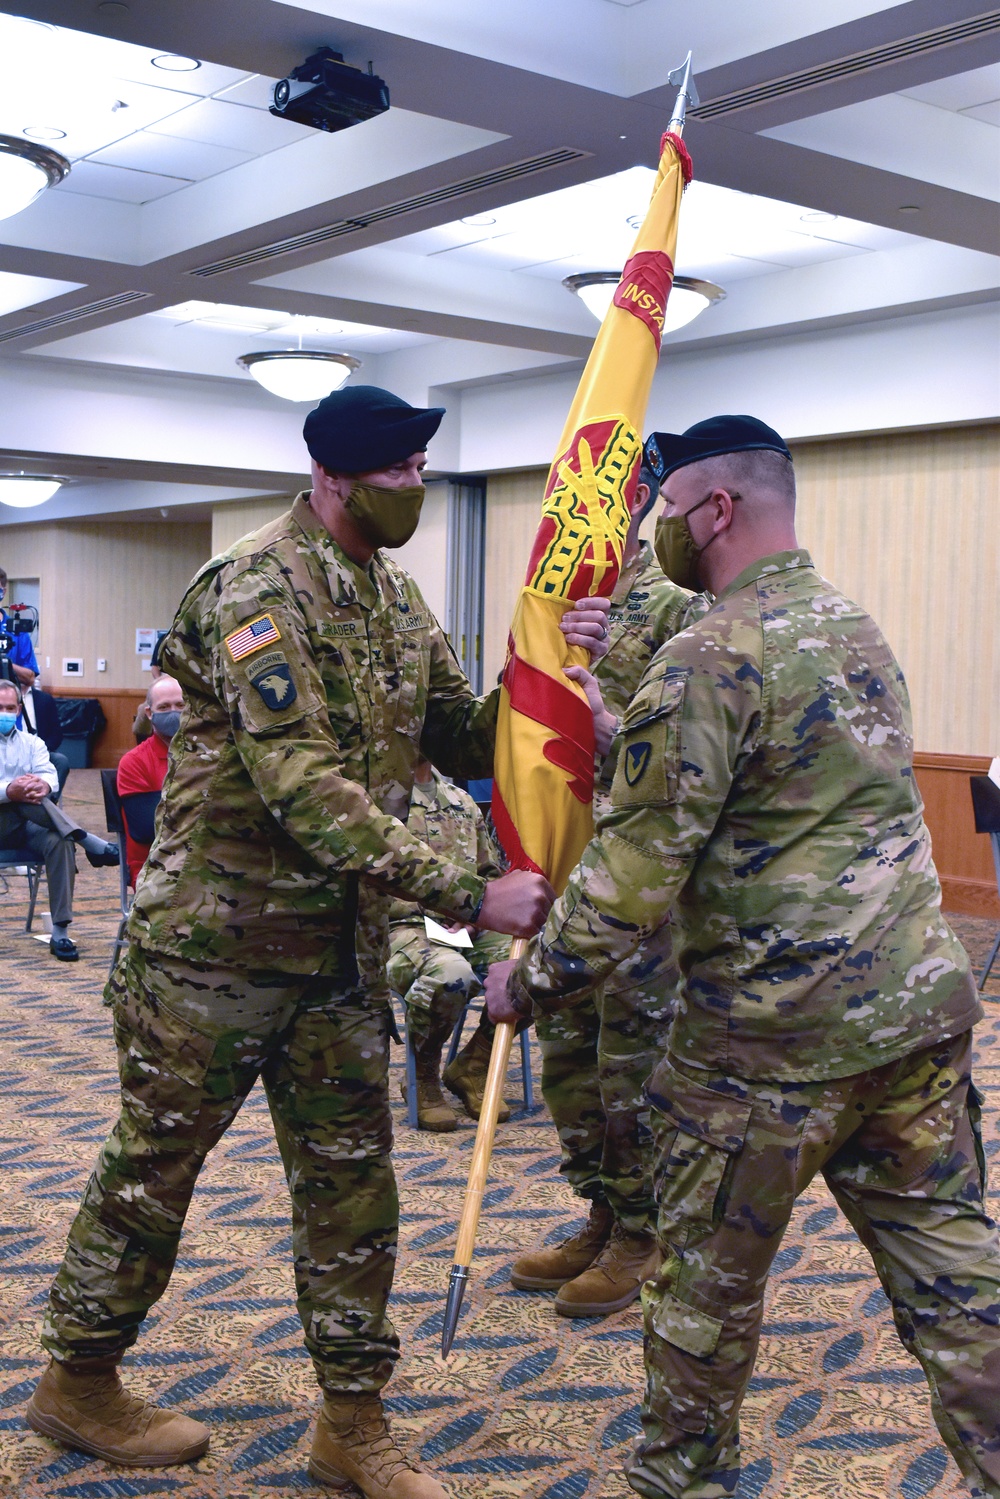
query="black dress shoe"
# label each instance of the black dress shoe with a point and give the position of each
(109, 857)
(64, 948)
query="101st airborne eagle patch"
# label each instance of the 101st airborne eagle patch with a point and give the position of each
(636, 761)
(272, 678)
(252, 637)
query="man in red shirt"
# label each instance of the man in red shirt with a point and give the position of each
(141, 771)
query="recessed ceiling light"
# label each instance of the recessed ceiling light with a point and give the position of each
(26, 171)
(173, 63)
(43, 133)
(817, 216)
(299, 374)
(25, 490)
(909, 208)
(479, 220)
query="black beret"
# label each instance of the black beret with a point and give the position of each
(361, 428)
(667, 451)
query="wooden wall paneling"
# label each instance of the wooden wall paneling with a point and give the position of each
(119, 705)
(963, 857)
(513, 510)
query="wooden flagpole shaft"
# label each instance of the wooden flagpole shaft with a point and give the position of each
(478, 1170)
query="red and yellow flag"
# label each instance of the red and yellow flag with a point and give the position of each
(544, 767)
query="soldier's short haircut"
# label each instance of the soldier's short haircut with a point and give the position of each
(759, 471)
(647, 477)
(15, 687)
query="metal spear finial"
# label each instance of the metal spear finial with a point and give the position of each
(687, 93)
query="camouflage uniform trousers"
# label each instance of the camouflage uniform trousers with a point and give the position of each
(192, 1041)
(900, 1150)
(435, 981)
(597, 1056)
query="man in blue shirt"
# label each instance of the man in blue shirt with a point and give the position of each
(21, 654)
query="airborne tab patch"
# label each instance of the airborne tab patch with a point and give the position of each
(636, 761)
(252, 637)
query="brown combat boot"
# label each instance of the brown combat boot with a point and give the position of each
(466, 1075)
(614, 1279)
(353, 1450)
(433, 1112)
(85, 1406)
(548, 1269)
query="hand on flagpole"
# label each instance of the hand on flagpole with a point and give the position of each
(499, 1004)
(517, 903)
(586, 624)
(605, 723)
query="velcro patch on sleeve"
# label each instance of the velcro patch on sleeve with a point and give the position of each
(272, 678)
(252, 637)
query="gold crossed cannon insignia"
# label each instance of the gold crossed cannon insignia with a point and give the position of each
(589, 509)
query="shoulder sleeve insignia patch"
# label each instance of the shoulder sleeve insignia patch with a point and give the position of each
(276, 687)
(252, 637)
(636, 760)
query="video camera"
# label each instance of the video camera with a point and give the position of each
(19, 619)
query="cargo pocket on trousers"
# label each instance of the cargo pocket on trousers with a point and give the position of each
(683, 1341)
(163, 1062)
(93, 1256)
(698, 1134)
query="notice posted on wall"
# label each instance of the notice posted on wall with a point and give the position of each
(144, 642)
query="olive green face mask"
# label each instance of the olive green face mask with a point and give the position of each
(387, 517)
(676, 550)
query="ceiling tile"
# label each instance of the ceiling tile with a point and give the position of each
(17, 291)
(960, 91)
(254, 92)
(93, 180)
(989, 113)
(217, 123)
(172, 158)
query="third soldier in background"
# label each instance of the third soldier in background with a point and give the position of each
(598, 1054)
(435, 979)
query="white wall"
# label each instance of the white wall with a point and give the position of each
(904, 372)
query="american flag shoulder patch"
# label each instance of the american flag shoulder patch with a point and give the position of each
(258, 633)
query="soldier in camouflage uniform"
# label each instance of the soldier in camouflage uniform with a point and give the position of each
(435, 979)
(764, 798)
(314, 678)
(598, 1054)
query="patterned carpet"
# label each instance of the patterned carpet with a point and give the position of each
(529, 1405)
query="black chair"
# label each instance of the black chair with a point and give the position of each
(986, 810)
(115, 819)
(34, 868)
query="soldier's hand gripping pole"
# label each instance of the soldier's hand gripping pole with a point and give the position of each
(478, 1172)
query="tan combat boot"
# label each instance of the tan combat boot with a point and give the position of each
(353, 1450)
(433, 1112)
(85, 1406)
(548, 1269)
(614, 1279)
(466, 1075)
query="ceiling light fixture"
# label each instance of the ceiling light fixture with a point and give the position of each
(174, 63)
(25, 490)
(688, 296)
(299, 374)
(26, 170)
(43, 133)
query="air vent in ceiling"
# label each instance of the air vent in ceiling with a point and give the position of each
(73, 314)
(848, 67)
(559, 157)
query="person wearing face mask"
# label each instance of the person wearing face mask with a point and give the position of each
(315, 678)
(31, 820)
(764, 801)
(142, 771)
(22, 653)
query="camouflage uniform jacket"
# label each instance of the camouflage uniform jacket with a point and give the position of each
(312, 687)
(646, 611)
(447, 819)
(765, 798)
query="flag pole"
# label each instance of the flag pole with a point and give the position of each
(478, 1171)
(500, 1056)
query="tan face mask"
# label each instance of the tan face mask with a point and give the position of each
(386, 517)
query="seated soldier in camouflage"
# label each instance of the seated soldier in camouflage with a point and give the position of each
(764, 801)
(597, 1055)
(436, 980)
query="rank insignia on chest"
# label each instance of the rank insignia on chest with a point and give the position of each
(636, 761)
(252, 637)
(275, 686)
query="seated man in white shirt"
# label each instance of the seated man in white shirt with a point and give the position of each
(30, 819)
